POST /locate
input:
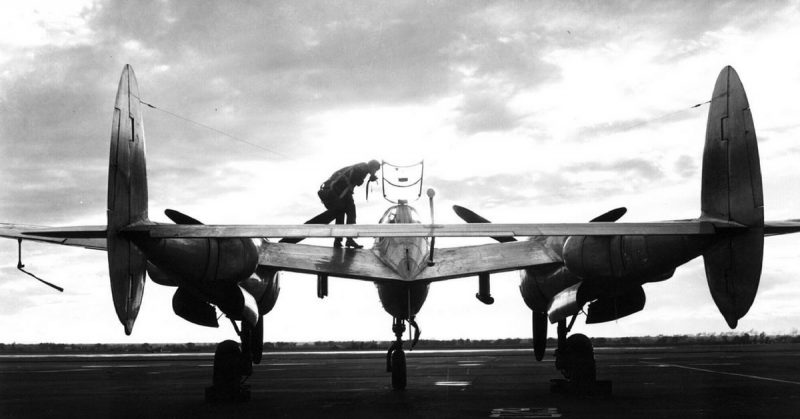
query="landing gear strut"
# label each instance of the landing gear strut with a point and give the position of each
(575, 360)
(233, 364)
(396, 356)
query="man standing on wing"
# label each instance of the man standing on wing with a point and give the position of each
(336, 194)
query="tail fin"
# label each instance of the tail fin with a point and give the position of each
(731, 191)
(127, 200)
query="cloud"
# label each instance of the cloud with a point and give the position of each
(573, 182)
(482, 113)
(635, 168)
(686, 166)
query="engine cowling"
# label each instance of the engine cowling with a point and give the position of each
(629, 256)
(202, 260)
(265, 287)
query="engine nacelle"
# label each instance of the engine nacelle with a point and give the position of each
(160, 277)
(203, 260)
(540, 284)
(624, 257)
(265, 287)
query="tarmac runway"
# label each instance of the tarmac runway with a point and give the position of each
(669, 382)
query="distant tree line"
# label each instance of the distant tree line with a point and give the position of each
(729, 338)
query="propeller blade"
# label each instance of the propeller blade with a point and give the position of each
(472, 218)
(322, 218)
(178, 217)
(539, 334)
(611, 216)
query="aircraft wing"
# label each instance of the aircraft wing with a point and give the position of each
(364, 264)
(339, 262)
(92, 237)
(456, 262)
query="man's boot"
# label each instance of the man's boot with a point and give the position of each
(337, 242)
(352, 243)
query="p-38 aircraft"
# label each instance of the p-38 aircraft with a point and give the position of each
(600, 265)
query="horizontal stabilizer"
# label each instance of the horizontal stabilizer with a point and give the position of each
(90, 240)
(665, 228)
(77, 232)
(776, 228)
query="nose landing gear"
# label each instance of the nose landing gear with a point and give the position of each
(396, 356)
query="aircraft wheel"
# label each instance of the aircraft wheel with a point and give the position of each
(227, 363)
(578, 361)
(399, 369)
(227, 380)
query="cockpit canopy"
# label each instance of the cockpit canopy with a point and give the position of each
(400, 214)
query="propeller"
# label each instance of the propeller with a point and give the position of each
(472, 218)
(324, 217)
(178, 217)
(539, 320)
(611, 216)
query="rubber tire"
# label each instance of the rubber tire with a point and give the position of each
(580, 364)
(399, 380)
(227, 365)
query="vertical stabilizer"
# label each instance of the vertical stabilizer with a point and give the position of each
(731, 191)
(127, 200)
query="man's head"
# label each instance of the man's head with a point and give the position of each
(374, 165)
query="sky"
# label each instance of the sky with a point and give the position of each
(522, 111)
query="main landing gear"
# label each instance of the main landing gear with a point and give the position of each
(233, 364)
(396, 356)
(575, 360)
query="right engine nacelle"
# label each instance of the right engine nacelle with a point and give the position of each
(629, 256)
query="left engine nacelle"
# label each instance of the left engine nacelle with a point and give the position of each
(265, 287)
(204, 260)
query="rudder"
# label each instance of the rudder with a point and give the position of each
(127, 200)
(731, 191)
